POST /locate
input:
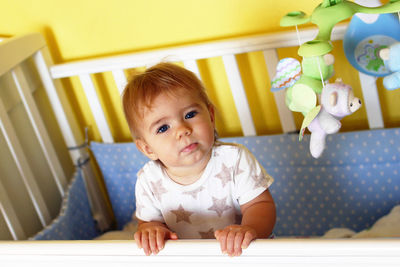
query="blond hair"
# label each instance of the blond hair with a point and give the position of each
(141, 90)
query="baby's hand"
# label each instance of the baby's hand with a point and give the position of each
(151, 237)
(235, 237)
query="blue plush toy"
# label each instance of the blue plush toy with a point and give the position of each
(391, 59)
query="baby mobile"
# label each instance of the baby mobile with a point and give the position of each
(376, 54)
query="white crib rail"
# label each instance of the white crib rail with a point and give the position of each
(189, 55)
(13, 53)
(371, 101)
(278, 252)
(120, 80)
(94, 104)
(239, 95)
(23, 167)
(192, 66)
(24, 91)
(73, 137)
(10, 216)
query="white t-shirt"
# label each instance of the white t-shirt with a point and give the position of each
(231, 178)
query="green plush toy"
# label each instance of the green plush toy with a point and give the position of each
(301, 97)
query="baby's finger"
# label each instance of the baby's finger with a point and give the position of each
(221, 237)
(238, 243)
(230, 241)
(248, 237)
(145, 243)
(160, 239)
(153, 242)
(138, 239)
(173, 236)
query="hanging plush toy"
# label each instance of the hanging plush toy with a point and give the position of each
(301, 95)
(302, 87)
(337, 101)
(317, 68)
(391, 59)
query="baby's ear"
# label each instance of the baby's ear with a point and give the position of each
(145, 149)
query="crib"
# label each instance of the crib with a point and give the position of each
(352, 185)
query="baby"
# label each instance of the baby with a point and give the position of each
(194, 186)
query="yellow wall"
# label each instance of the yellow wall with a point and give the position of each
(86, 28)
(78, 29)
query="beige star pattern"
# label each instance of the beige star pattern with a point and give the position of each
(207, 235)
(195, 192)
(158, 189)
(224, 175)
(260, 180)
(219, 206)
(145, 194)
(182, 215)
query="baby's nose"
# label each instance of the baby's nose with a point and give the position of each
(183, 130)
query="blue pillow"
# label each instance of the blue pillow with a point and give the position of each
(119, 164)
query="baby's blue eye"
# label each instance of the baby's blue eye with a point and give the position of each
(191, 114)
(163, 129)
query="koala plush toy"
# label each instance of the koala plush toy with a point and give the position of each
(337, 101)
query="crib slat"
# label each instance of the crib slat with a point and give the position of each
(285, 115)
(9, 214)
(23, 167)
(120, 80)
(192, 66)
(39, 128)
(72, 136)
(96, 108)
(371, 101)
(239, 95)
(66, 123)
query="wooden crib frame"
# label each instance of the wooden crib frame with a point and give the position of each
(279, 252)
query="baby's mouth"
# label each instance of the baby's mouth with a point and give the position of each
(189, 148)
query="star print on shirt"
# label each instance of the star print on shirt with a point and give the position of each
(195, 192)
(207, 235)
(224, 175)
(182, 215)
(260, 180)
(219, 206)
(145, 194)
(158, 189)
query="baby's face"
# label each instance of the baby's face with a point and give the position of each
(178, 130)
